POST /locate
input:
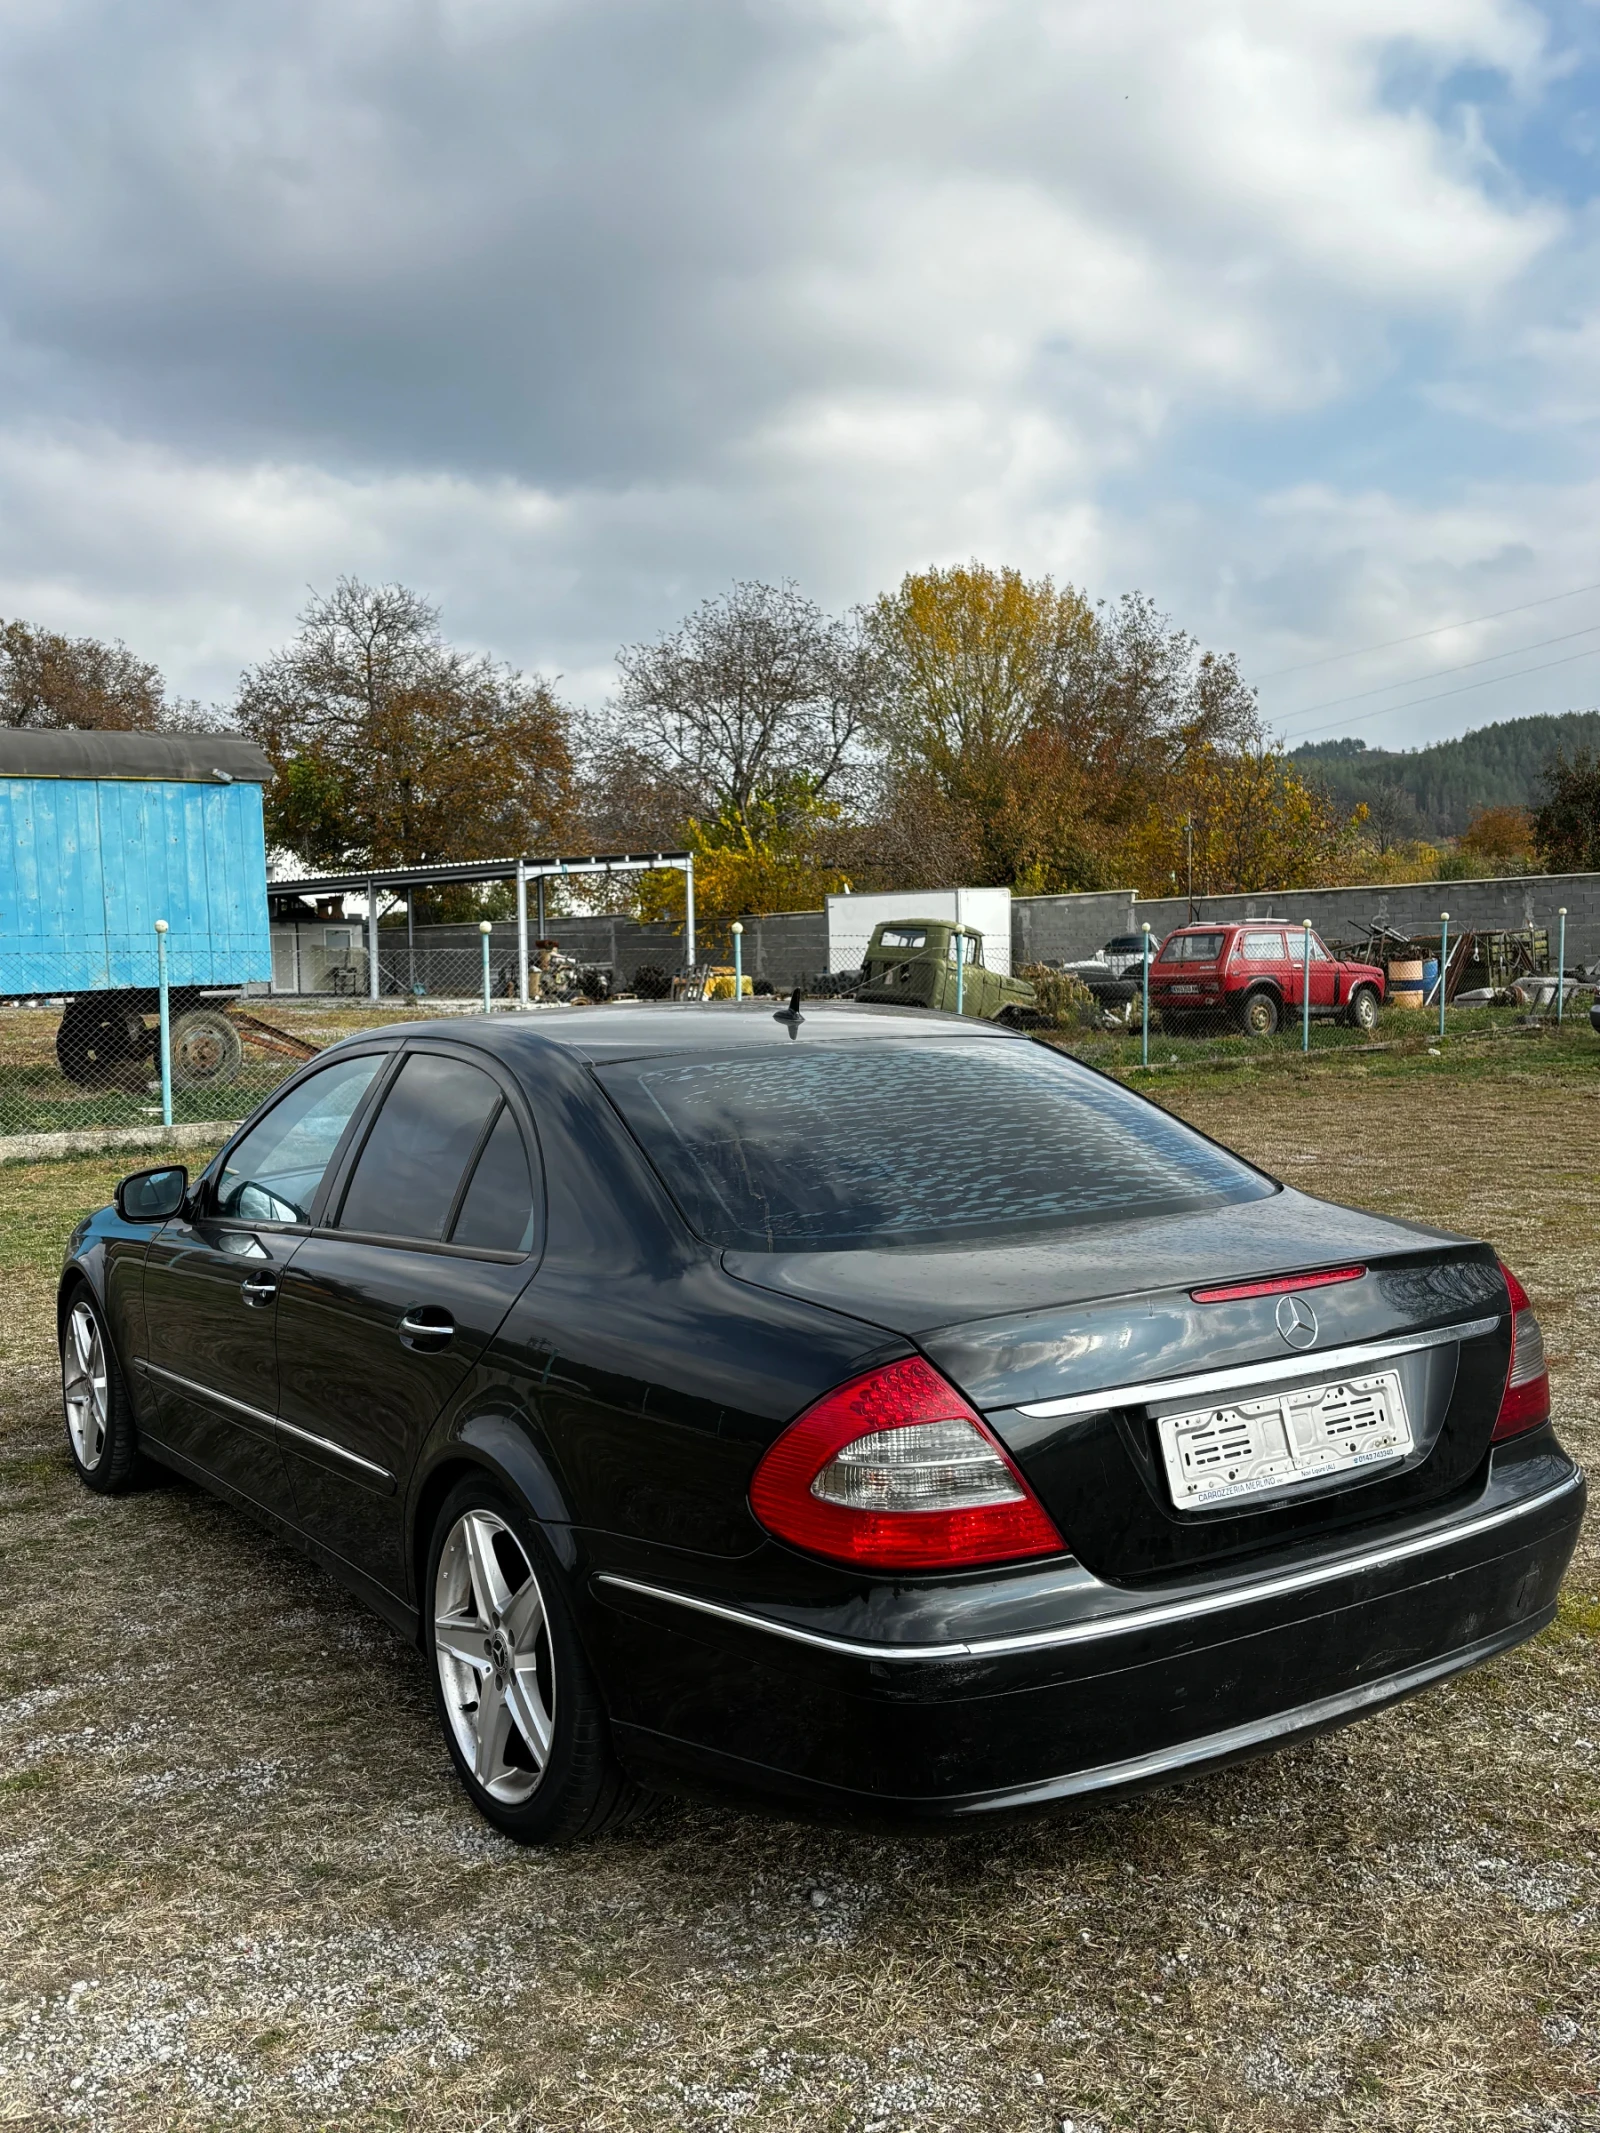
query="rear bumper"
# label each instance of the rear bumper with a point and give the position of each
(1122, 1691)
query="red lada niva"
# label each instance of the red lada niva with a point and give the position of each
(1255, 975)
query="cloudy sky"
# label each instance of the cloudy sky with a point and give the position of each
(568, 312)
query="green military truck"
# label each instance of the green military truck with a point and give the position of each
(913, 962)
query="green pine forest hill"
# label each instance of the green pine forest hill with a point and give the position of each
(1493, 766)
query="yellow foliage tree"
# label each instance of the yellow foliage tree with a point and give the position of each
(1256, 825)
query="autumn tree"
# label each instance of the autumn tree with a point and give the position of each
(1566, 826)
(1500, 838)
(48, 680)
(1029, 728)
(392, 748)
(1253, 824)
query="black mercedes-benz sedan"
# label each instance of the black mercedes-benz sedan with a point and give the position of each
(874, 1412)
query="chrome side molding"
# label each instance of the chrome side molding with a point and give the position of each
(1307, 1363)
(270, 1425)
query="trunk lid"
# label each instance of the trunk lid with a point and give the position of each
(1073, 1349)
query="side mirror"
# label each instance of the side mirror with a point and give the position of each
(153, 1195)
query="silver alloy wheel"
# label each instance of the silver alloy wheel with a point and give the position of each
(83, 1385)
(492, 1647)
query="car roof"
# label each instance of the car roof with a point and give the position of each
(646, 1029)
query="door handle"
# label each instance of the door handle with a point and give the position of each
(437, 1328)
(259, 1288)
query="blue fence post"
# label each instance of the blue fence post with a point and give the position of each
(1305, 986)
(738, 960)
(1144, 1033)
(165, 1039)
(1561, 966)
(485, 928)
(961, 965)
(1444, 963)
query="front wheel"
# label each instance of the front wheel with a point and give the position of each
(1363, 1009)
(99, 1415)
(521, 1711)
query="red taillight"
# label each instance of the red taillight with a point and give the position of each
(1279, 1287)
(894, 1471)
(1525, 1403)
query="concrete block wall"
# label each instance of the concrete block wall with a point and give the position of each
(1065, 929)
(1501, 904)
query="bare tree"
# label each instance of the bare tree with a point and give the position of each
(393, 747)
(754, 692)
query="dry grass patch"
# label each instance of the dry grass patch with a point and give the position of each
(243, 1889)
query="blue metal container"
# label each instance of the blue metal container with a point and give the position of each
(1430, 976)
(101, 834)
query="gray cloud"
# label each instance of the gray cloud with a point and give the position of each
(568, 313)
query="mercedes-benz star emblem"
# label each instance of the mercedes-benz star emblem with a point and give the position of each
(1297, 1322)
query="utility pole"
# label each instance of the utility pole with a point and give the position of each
(1188, 865)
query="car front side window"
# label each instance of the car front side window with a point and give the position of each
(273, 1173)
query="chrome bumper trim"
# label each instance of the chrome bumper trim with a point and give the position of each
(1131, 1620)
(1310, 1362)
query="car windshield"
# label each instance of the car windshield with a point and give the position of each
(834, 1147)
(1192, 948)
(902, 937)
(1125, 944)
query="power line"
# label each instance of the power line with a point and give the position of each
(1464, 666)
(1461, 689)
(1305, 666)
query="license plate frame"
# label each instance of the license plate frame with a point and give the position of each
(1277, 1442)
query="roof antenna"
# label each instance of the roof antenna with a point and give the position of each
(791, 1014)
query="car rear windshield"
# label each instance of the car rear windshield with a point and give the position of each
(833, 1147)
(1192, 948)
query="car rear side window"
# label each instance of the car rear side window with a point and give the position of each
(1263, 948)
(845, 1147)
(429, 1128)
(497, 1213)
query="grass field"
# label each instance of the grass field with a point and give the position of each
(243, 1889)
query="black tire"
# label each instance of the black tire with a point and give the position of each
(207, 1050)
(102, 1437)
(1258, 1014)
(530, 1652)
(1362, 1013)
(651, 982)
(100, 1039)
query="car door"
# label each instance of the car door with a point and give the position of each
(433, 1234)
(1324, 979)
(212, 1277)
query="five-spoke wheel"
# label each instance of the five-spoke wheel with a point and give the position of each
(522, 1714)
(100, 1429)
(491, 1643)
(84, 1391)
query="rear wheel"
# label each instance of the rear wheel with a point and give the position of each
(99, 1415)
(1362, 1012)
(521, 1711)
(1259, 1015)
(207, 1050)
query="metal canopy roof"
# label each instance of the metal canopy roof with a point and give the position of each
(361, 880)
